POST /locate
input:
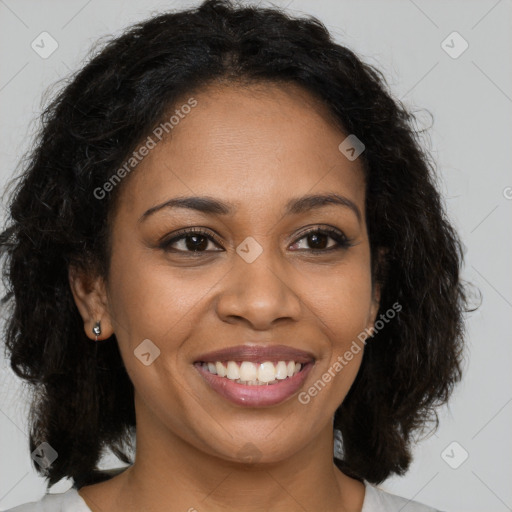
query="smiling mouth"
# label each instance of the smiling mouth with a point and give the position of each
(250, 373)
(255, 375)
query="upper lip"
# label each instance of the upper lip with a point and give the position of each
(257, 353)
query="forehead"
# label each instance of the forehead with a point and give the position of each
(250, 145)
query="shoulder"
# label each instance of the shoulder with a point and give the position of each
(69, 501)
(377, 500)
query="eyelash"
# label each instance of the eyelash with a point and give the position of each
(342, 241)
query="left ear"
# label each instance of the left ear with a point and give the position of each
(374, 308)
(376, 288)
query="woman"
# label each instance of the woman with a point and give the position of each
(228, 247)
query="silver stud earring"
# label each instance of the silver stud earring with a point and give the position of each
(97, 330)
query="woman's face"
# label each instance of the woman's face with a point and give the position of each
(257, 283)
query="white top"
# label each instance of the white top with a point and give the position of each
(375, 500)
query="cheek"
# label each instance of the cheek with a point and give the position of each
(341, 299)
(342, 303)
(152, 300)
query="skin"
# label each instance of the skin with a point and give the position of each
(246, 146)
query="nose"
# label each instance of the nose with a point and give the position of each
(260, 293)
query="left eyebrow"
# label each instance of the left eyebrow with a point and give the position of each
(294, 206)
(312, 202)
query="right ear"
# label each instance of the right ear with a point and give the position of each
(89, 293)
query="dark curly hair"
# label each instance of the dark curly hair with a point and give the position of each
(83, 397)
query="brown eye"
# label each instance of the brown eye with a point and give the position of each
(318, 240)
(191, 241)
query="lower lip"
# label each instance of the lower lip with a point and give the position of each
(255, 396)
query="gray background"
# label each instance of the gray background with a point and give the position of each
(470, 98)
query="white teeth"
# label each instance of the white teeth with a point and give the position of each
(233, 372)
(221, 370)
(248, 371)
(281, 372)
(266, 372)
(253, 374)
